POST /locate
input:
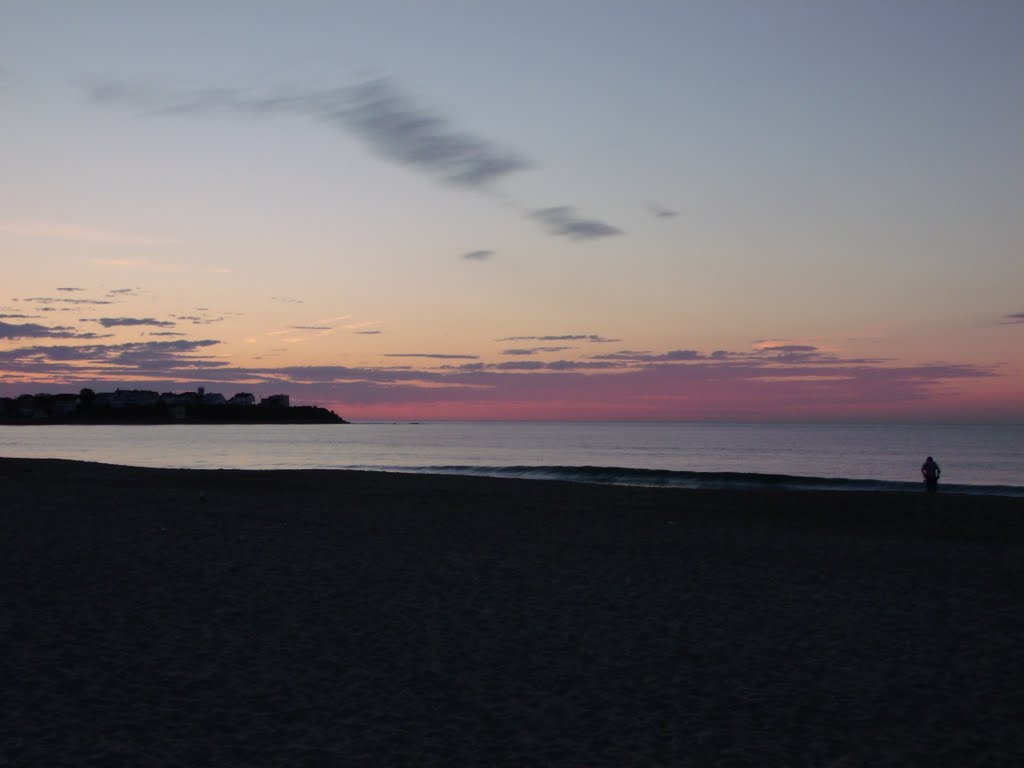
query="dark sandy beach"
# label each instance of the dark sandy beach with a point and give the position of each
(320, 618)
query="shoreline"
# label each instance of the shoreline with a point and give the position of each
(867, 511)
(370, 618)
(665, 455)
(627, 477)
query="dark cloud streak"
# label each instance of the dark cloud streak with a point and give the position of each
(591, 337)
(562, 220)
(532, 351)
(375, 111)
(788, 348)
(384, 119)
(432, 355)
(661, 212)
(399, 131)
(46, 300)
(113, 322)
(137, 358)
(36, 331)
(674, 356)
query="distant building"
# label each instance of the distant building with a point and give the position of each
(64, 404)
(131, 406)
(26, 408)
(173, 400)
(134, 398)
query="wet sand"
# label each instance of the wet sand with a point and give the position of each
(321, 618)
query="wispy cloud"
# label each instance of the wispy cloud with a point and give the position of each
(138, 359)
(673, 356)
(532, 351)
(114, 322)
(49, 300)
(432, 355)
(199, 319)
(388, 121)
(588, 337)
(397, 129)
(481, 255)
(785, 348)
(379, 114)
(36, 331)
(554, 365)
(1016, 318)
(661, 212)
(563, 220)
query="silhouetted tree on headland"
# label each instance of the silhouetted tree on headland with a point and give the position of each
(86, 399)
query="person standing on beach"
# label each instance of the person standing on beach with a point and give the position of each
(930, 470)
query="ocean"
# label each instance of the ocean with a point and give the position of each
(974, 459)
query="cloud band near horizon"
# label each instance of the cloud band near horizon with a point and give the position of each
(676, 384)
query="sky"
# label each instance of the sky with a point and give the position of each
(539, 209)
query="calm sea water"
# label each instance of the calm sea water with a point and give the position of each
(976, 458)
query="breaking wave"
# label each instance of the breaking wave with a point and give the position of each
(660, 478)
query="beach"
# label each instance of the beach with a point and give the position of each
(156, 617)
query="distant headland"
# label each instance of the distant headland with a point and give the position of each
(140, 406)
